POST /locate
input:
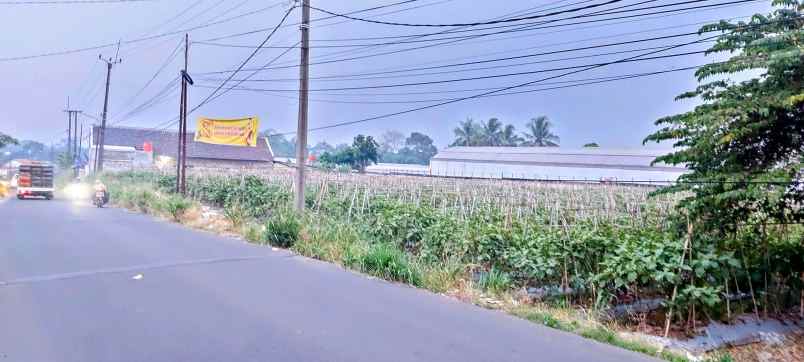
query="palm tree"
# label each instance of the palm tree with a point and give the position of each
(508, 136)
(491, 132)
(538, 133)
(466, 134)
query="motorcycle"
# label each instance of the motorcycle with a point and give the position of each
(100, 199)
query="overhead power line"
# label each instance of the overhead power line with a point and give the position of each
(491, 22)
(255, 31)
(367, 75)
(214, 94)
(243, 64)
(480, 95)
(505, 75)
(566, 84)
(141, 39)
(71, 2)
(398, 51)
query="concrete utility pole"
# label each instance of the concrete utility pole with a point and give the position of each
(101, 133)
(72, 133)
(181, 159)
(301, 131)
(69, 127)
(80, 142)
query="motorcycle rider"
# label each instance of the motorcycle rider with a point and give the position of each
(100, 187)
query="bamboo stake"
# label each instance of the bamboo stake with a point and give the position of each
(801, 299)
(728, 302)
(687, 242)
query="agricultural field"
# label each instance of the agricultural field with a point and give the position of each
(587, 248)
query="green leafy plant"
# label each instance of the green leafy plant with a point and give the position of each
(236, 213)
(176, 206)
(283, 228)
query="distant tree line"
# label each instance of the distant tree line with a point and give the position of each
(538, 133)
(362, 153)
(392, 147)
(7, 140)
(417, 148)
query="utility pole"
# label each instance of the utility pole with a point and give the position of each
(301, 131)
(72, 133)
(99, 159)
(179, 148)
(75, 133)
(69, 127)
(181, 159)
(80, 146)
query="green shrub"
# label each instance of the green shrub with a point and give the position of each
(166, 183)
(283, 228)
(327, 238)
(442, 276)
(236, 214)
(144, 200)
(176, 206)
(487, 237)
(253, 233)
(388, 262)
(400, 223)
(494, 281)
(443, 239)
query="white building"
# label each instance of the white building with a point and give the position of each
(555, 163)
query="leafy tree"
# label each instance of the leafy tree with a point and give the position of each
(365, 152)
(591, 145)
(320, 148)
(539, 133)
(391, 141)
(26, 149)
(491, 132)
(508, 136)
(6, 140)
(362, 152)
(467, 133)
(420, 147)
(281, 146)
(64, 160)
(744, 147)
(745, 133)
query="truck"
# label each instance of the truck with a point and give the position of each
(35, 179)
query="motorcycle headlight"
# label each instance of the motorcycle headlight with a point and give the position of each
(77, 191)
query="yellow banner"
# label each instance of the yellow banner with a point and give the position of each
(233, 132)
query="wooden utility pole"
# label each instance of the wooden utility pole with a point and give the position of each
(301, 131)
(187, 81)
(101, 133)
(181, 156)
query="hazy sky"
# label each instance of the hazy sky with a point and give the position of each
(33, 92)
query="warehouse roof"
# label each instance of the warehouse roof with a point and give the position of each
(166, 143)
(558, 156)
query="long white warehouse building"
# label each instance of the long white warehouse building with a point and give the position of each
(555, 163)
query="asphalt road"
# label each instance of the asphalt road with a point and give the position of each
(68, 292)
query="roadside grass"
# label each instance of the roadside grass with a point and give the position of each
(442, 277)
(388, 262)
(495, 281)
